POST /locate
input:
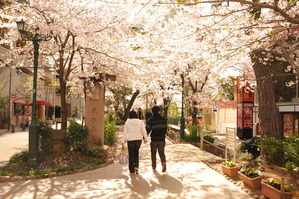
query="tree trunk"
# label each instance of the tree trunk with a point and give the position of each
(63, 90)
(127, 110)
(166, 102)
(269, 116)
(194, 113)
(270, 122)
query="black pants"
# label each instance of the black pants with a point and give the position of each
(133, 148)
(160, 146)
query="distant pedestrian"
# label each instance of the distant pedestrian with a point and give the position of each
(134, 132)
(148, 115)
(158, 125)
(140, 114)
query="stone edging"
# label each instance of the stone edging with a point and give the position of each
(237, 183)
(51, 175)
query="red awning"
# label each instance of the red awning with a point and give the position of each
(41, 102)
(19, 101)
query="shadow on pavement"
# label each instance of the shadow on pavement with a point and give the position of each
(139, 185)
(167, 182)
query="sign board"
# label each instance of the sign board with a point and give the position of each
(245, 115)
(230, 141)
(244, 91)
(13, 96)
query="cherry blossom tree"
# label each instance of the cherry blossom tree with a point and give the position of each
(78, 32)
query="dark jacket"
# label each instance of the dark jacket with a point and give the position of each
(148, 115)
(158, 125)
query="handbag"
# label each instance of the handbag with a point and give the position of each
(123, 158)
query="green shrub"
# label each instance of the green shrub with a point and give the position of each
(45, 137)
(290, 166)
(91, 152)
(193, 129)
(19, 157)
(209, 138)
(246, 156)
(291, 149)
(109, 131)
(271, 147)
(193, 135)
(76, 136)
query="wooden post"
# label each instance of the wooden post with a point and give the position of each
(201, 139)
(282, 188)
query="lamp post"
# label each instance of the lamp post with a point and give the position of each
(34, 128)
(9, 100)
(182, 120)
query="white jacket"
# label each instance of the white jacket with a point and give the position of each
(134, 129)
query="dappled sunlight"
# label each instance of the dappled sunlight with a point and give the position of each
(186, 177)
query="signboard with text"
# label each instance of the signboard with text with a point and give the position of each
(230, 142)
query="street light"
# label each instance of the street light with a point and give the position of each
(182, 120)
(33, 129)
(9, 100)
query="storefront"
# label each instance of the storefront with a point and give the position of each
(20, 108)
(290, 119)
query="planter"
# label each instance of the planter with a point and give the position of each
(273, 193)
(254, 183)
(230, 171)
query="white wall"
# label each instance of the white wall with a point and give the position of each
(225, 117)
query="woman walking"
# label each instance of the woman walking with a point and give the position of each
(134, 132)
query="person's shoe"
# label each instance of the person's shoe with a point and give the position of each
(164, 167)
(136, 171)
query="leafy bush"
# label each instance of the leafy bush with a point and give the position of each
(290, 166)
(194, 133)
(19, 157)
(109, 130)
(209, 138)
(291, 150)
(76, 135)
(271, 147)
(91, 152)
(45, 137)
(193, 129)
(246, 156)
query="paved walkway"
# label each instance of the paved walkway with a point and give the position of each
(11, 143)
(186, 177)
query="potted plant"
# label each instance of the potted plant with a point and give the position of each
(251, 177)
(230, 168)
(271, 189)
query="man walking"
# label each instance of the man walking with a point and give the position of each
(158, 125)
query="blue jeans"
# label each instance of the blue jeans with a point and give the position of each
(160, 146)
(133, 149)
